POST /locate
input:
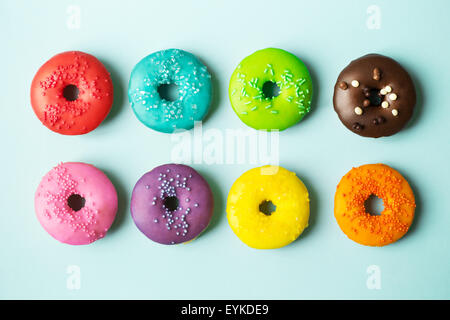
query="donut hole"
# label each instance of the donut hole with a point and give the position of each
(267, 207)
(271, 90)
(76, 202)
(375, 97)
(374, 205)
(168, 91)
(171, 203)
(71, 92)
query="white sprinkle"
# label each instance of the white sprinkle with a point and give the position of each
(395, 112)
(383, 92)
(355, 83)
(393, 96)
(388, 89)
(385, 104)
(358, 111)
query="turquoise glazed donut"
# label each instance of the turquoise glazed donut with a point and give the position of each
(170, 67)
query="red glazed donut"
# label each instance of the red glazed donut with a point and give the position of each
(72, 93)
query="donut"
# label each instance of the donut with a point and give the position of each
(389, 185)
(254, 84)
(172, 67)
(172, 204)
(374, 96)
(72, 93)
(76, 203)
(268, 207)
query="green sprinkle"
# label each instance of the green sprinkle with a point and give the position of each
(253, 82)
(289, 99)
(244, 93)
(233, 92)
(268, 106)
(274, 111)
(254, 108)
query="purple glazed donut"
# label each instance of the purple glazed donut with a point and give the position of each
(172, 204)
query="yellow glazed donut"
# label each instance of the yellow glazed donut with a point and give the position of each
(384, 182)
(262, 185)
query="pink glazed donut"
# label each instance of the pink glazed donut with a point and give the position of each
(172, 204)
(76, 203)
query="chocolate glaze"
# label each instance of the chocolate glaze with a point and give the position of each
(373, 73)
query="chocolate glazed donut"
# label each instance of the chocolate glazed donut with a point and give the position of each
(374, 96)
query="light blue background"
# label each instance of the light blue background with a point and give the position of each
(322, 263)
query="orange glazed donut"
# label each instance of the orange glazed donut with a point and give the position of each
(389, 185)
(72, 93)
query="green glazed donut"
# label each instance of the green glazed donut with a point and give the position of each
(279, 112)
